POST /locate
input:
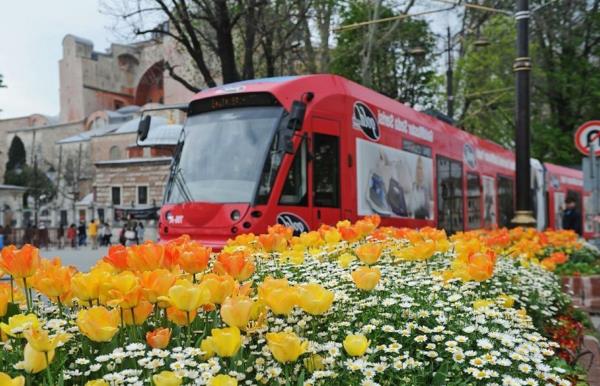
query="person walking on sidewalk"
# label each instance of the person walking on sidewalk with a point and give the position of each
(72, 236)
(81, 233)
(92, 232)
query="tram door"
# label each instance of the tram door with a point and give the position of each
(450, 194)
(325, 163)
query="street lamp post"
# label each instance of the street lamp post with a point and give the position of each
(522, 69)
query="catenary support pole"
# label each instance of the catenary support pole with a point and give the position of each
(522, 69)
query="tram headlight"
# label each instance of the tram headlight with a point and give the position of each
(235, 215)
(169, 217)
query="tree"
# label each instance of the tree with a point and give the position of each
(231, 30)
(565, 44)
(379, 56)
(16, 159)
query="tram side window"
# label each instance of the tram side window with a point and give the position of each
(450, 194)
(505, 201)
(296, 183)
(473, 201)
(326, 180)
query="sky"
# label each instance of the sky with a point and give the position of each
(31, 33)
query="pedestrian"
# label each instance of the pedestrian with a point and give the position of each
(72, 236)
(107, 234)
(7, 235)
(122, 239)
(43, 239)
(81, 233)
(92, 232)
(139, 230)
(60, 235)
(571, 218)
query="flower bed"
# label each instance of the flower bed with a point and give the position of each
(347, 305)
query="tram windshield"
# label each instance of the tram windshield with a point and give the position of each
(223, 155)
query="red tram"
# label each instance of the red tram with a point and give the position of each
(314, 149)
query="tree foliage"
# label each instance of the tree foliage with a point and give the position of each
(565, 43)
(16, 156)
(378, 56)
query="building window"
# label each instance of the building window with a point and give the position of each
(114, 153)
(142, 195)
(116, 195)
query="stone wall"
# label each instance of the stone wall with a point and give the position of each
(128, 175)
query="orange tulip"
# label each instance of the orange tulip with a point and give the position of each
(117, 257)
(369, 253)
(559, 257)
(273, 242)
(279, 229)
(237, 264)
(158, 338)
(20, 263)
(137, 315)
(349, 234)
(156, 283)
(180, 317)
(481, 265)
(193, 257)
(52, 279)
(366, 278)
(220, 286)
(146, 257)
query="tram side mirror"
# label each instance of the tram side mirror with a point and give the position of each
(297, 115)
(144, 128)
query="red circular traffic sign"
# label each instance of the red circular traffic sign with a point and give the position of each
(589, 131)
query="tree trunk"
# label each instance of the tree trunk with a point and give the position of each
(249, 39)
(365, 73)
(225, 45)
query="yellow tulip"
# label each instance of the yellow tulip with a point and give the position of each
(19, 323)
(345, 259)
(482, 303)
(41, 341)
(356, 345)
(285, 346)
(314, 299)
(282, 300)
(98, 323)
(226, 342)
(369, 253)
(222, 380)
(314, 363)
(4, 299)
(507, 301)
(86, 286)
(124, 290)
(366, 278)
(207, 346)
(166, 378)
(35, 361)
(6, 380)
(97, 382)
(236, 311)
(220, 286)
(187, 296)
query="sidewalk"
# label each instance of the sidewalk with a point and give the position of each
(83, 258)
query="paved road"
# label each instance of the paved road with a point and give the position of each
(82, 258)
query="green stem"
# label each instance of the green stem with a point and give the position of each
(48, 372)
(189, 328)
(26, 294)
(12, 289)
(60, 306)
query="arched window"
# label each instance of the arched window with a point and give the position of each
(114, 153)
